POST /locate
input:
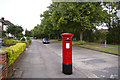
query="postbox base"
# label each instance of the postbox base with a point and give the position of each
(67, 69)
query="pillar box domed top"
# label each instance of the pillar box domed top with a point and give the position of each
(67, 35)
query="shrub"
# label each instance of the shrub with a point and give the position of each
(10, 38)
(81, 42)
(59, 39)
(10, 42)
(14, 52)
(23, 39)
(26, 42)
(29, 39)
(113, 35)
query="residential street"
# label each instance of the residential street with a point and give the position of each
(41, 62)
(44, 61)
(60, 39)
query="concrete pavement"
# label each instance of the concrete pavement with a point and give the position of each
(39, 61)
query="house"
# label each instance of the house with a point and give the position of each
(2, 23)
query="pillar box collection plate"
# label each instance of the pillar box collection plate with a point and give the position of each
(67, 53)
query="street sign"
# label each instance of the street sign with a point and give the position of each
(105, 43)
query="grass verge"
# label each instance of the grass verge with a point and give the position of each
(110, 45)
(111, 50)
(55, 40)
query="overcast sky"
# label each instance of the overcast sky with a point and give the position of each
(23, 12)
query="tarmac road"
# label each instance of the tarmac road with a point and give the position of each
(41, 62)
(92, 63)
(44, 61)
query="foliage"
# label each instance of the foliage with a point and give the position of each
(81, 42)
(100, 36)
(113, 36)
(95, 36)
(59, 39)
(114, 23)
(80, 19)
(23, 39)
(10, 42)
(19, 35)
(28, 33)
(14, 29)
(69, 17)
(29, 39)
(9, 38)
(3, 34)
(14, 52)
(26, 42)
(111, 18)
(89, 35)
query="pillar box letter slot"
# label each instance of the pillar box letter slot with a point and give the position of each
(67, 53)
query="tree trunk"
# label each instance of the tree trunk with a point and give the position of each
(58, 36)
(8, 35)
(81, 35)
(49, 36)
(15, 34)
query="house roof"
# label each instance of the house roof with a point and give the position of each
(5, 22)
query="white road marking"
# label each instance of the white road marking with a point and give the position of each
(113, 76)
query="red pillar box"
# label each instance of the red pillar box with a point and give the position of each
(67, 53)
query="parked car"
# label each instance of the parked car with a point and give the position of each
(45, 41)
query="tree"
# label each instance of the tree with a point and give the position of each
(14, 29)
(19, 35)
(71, 17)
(80, 15)
(114, 23)
(28, 33)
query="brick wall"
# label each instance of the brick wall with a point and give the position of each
(3, 64)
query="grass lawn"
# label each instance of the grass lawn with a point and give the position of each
(111, 50)
(55, 40)
(110, 45)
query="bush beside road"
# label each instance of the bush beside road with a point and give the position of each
(13, 52)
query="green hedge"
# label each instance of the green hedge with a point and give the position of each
(14, 52)
(81, 42)
(59, 39)
(26, 42)
(11, 42)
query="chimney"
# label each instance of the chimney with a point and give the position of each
(2, 18)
